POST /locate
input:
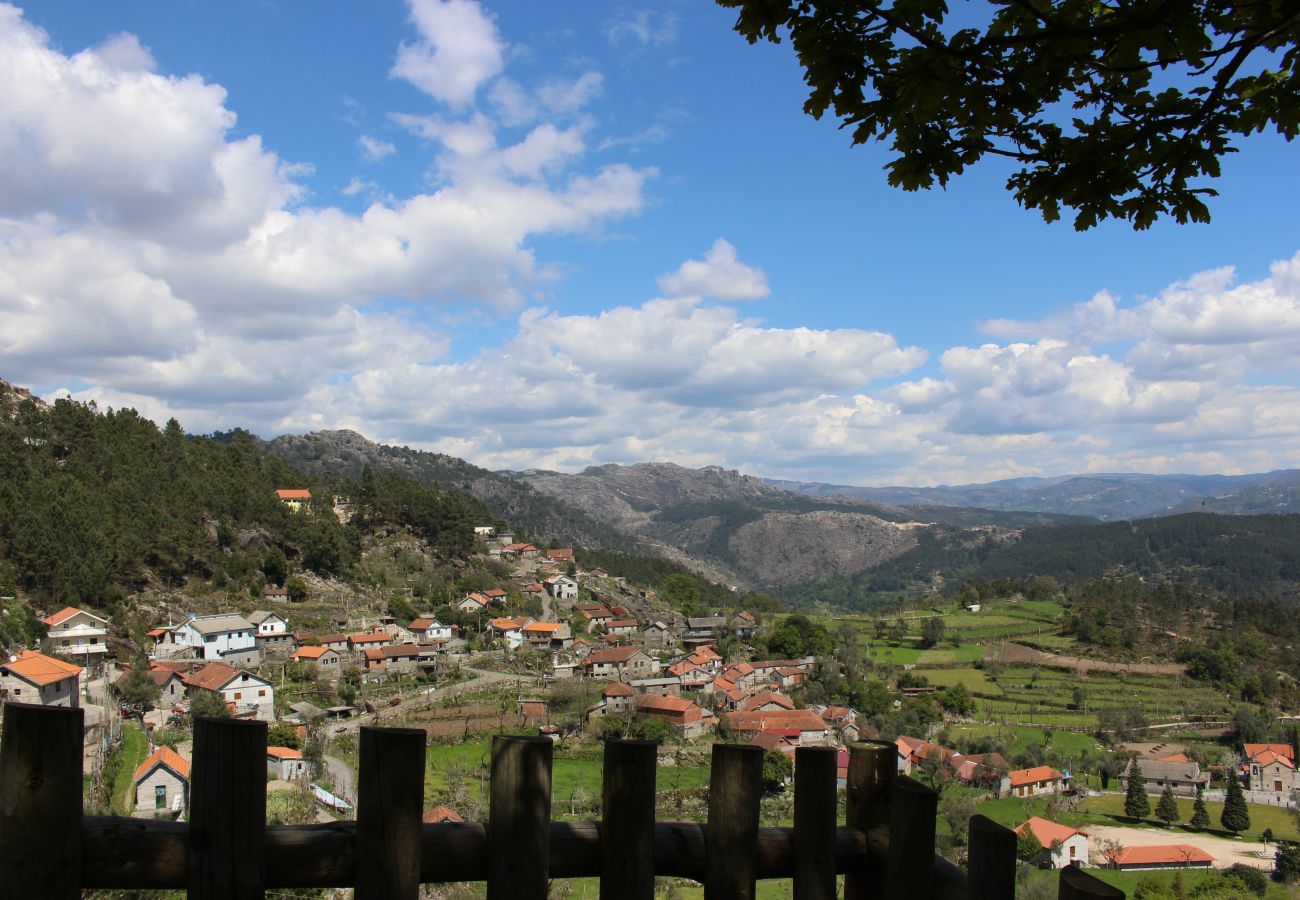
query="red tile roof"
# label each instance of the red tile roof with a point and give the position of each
(310, 652)
(440, 815)
(215, 676)
(618, 689)
(1159, 854)
(1048, 832)
(377, 637)
(294, 494)
(164, 756)
(62, 615)
(284, 753)
(40, 669)
(613, 655)
(802, 719)
(1253, 750)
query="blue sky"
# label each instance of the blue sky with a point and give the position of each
(563, 234)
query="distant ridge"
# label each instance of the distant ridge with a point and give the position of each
(1108, 497)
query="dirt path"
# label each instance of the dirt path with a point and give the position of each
(1226, 852)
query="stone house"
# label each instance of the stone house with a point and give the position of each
(328, 662)
(1185, 778)
(162, 785)
(623, 663)
(36, 678)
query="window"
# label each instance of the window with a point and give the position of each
(238, 695)
(261, 693)
(160, 797)
(209, 638)
(1072, 849)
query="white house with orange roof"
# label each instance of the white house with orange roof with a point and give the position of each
(1062, 845)
(285, 763)
(79, 634)
(36, 678)
(294, 498)
(1033, 782)
(162, 785)
(509, 630)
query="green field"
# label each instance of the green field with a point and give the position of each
(1109, 810)
(135, 747)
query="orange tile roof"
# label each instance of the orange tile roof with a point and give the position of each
(1048, 832)
(545, 627)
(1268, 757)
(1175, 758)
(165, 756)
(1253, 750)
(765, 697)
(1159, 854)
(293, 494)
(214, 676)
(284, 753)
(369, 638)
(663, 704)
(802, 719)
(618, 689)
(440, 815)
(41, 669)
(1033, 776)
(310, 652)
(62, 615)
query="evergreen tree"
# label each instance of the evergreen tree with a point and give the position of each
(1167, 808)
(1236, 815)
(1136, 804)
(1200, 815)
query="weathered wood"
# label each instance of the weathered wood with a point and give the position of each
(814, 823)
(911, 840)
(992, 864)
(872, 767)
(40, 801)
(627, 866)
(519, 818)
(227, 809)
(1076, 884)
(390, 801)
(731, 842)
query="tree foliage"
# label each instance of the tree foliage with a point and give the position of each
(1200, 815)
(1167, 808)
(1236, 815)
(1136, 804)
(1112, 109)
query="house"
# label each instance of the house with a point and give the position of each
(766, 701)
(496, 595)
(508, 630)
(623, 663)
(1062, 845)
(328, 662)
(441, 815)
(229, 638)
(36, 678)
(561, 587)
(617, 697)
(1033, 782)
(657, 634)
(533, 711)
(659, 687)
(743, 625)
(473, 603)
(1270, 767)
(843, 719)
(246, 694)
(294, 498)
(162, 785)
(77, 633)
(360, 643)
(171, 684)
(285, 763)
(400, 659)
(563, 557)
(278, 594)
(547, 635)
(1159, 856)
(336, 642)
(484, 531)
(428, 630)
(1185, 778)
(626, 627)
(703, 630)
(685, 716)
(801, 726)
(273, 635)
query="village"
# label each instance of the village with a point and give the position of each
(646, 670)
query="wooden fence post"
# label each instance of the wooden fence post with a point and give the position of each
(911, 840)
(227, 809)
(40, 802)
(519, 818)
(627, 831)
(815, 818)
(1076, 884)
(992, 865)
(390, 804)
(735, 793)
(872, 768)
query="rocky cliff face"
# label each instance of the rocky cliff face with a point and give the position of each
(789, 548)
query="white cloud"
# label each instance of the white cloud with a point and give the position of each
(644, 27)
(374, 149)
(720, 275)
(459, 50)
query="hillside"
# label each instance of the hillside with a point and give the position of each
(1237, 555)
(1105, 497)
(346, 454)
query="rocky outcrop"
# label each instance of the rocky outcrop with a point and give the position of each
(789, 548)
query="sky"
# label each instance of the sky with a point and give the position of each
(569, 234)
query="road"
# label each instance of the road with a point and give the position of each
(341, 773)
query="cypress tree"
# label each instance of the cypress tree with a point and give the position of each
(1136, 804)
(1236, 815)
(1167, 808)
(1200, 815)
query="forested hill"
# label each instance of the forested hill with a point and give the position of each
(346, 454)
(95, 505)
(1234, 555)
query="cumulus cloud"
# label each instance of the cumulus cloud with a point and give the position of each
(459, 50)
(720, 275)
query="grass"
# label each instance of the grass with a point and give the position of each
(135, 747)
(1109, 809)
(972, 679)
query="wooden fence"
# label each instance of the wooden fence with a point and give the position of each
(885, 849)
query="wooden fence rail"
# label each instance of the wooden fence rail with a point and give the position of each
(885, 849)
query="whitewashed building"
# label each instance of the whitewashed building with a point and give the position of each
(78, 634)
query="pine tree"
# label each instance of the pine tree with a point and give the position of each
(1200, 815)
(1236, 815)
(1167, 808)
(1136, 804)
